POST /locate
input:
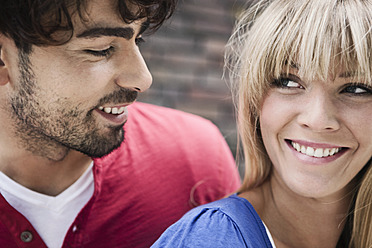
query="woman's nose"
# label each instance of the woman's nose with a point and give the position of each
(319, 113)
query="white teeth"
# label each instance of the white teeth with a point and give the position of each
(107, 110)
(297, 147)
(121, 110)
(315, 152)
(303, 149)
(318, 153)
(114, 110)
(310, 151)
(326, 152)
(333, 151)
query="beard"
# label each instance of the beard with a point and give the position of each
(50, 127)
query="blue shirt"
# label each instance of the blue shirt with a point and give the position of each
(229, 222)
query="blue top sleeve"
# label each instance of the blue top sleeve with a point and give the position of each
(208, 228)
(230, 222)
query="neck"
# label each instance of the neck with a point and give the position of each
(42, 174)
(41, 165)
(296, 221)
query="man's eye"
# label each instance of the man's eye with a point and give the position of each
(101, 53)
(357, 89)
(139, 40)
(286, 83)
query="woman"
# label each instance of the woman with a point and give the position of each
(303, 73)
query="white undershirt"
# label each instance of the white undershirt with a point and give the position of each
(269, 235)
(51, 216)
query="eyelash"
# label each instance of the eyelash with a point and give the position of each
(107, 52)
(353, 86)
(101, 53)
(139, 40)
(279, 83)
(348, 89)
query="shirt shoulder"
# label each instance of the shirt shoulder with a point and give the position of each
(186, 145)
(230, 222)
(170, 119)
(185, 134)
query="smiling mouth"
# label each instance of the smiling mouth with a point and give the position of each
(113, 110)
(315, 151)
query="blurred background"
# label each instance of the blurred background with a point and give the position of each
(185, 57)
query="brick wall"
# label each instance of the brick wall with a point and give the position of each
(186, 57)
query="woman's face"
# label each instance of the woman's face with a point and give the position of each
(318, 134)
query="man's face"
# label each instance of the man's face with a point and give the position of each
(74, 96)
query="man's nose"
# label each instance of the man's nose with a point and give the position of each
(134, 73)
(319, 113)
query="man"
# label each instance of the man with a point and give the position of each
(68, 72)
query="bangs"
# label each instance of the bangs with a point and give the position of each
(318, 38)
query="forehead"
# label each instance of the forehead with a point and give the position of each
(99, 13)
(321, 36)
(103, 19)
(96, 12)
(336, 69)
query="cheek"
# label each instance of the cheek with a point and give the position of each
(363, 133)
(358, 122)
(100, 75)
(84, 85)
(275, 113)
(73, 75)
(95, 79)
(271, 122)
(277, 122)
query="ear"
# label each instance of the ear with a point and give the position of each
(4, 70)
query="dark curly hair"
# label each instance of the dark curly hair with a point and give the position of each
(33, 22)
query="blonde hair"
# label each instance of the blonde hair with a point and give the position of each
(316, 37)
(361, 235)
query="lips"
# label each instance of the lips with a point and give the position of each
(115, 114)
(112, 110)
(315, 150)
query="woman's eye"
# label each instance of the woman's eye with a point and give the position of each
(357, 89)
(101, 53)
(286, 83)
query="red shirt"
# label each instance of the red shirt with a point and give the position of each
(170, 162)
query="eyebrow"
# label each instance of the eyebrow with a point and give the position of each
(348, 74)
(126, 33)
(293, 65)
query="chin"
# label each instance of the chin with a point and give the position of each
(311, 188)
(97, 146)
(101, 151)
